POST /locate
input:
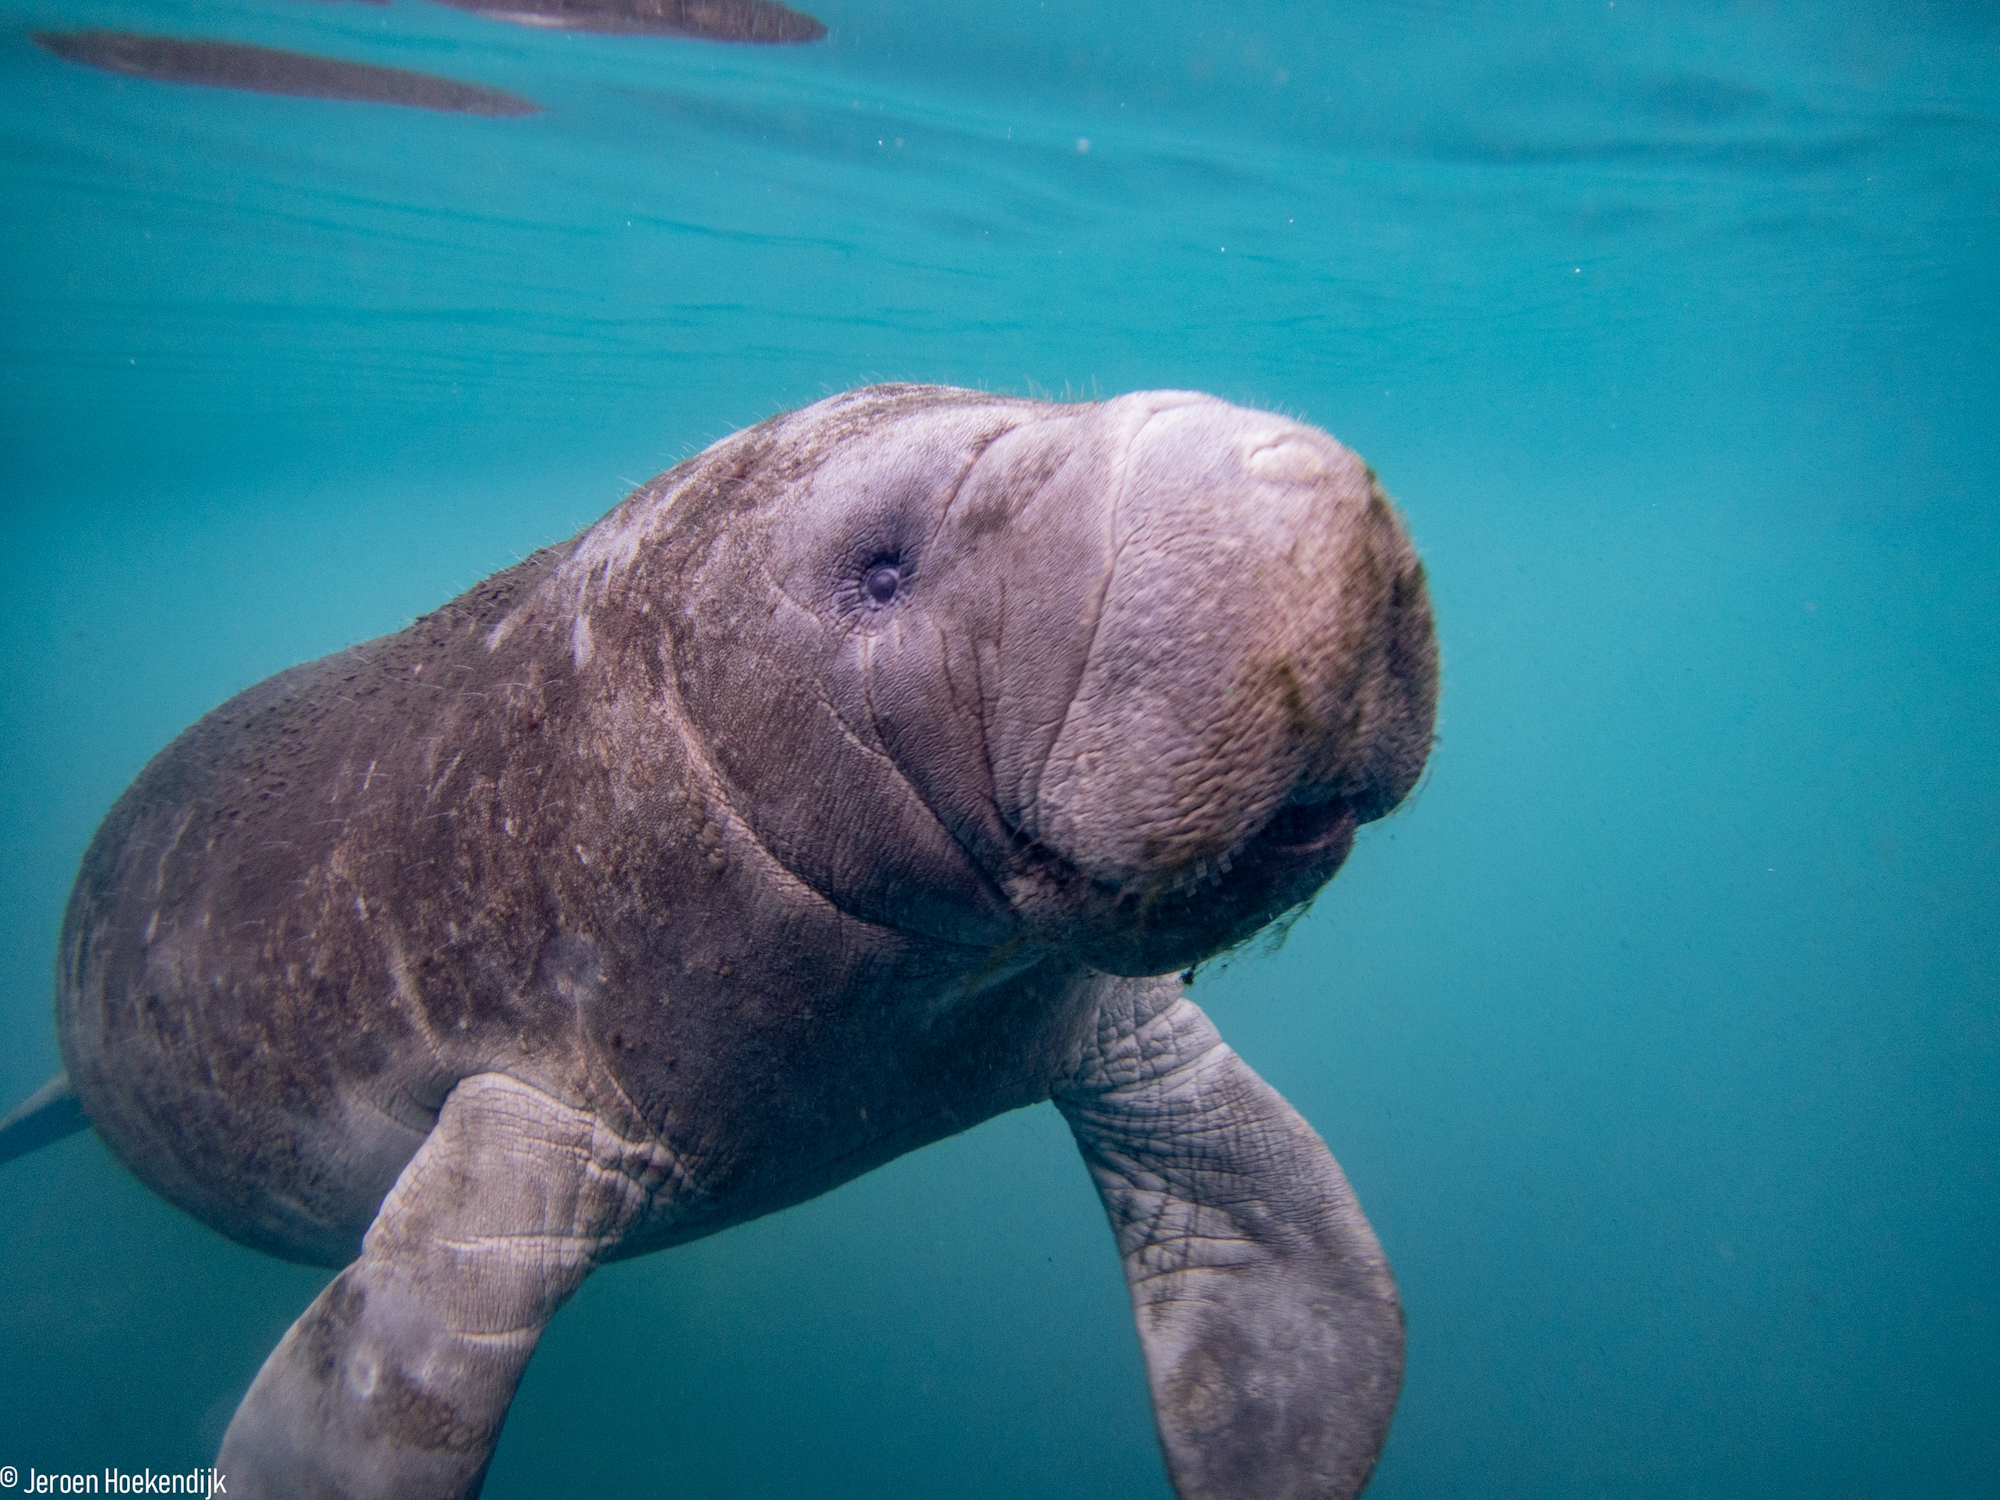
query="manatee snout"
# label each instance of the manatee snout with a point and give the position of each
(1262, 680)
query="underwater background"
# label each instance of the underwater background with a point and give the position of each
(1659, 1034)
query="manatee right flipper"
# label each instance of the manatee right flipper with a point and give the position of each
(1272, 1332)
(396, 1381)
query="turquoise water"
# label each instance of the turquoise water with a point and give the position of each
(1660, 1035)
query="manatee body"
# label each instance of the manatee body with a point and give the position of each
(212, 64)
(844, 787)
(765, 21)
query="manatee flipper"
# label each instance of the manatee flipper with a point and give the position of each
(42, 1119)
(1272, 1332)
(396, 1381)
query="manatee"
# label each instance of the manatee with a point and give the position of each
(871, 773)
(764, 21)
(272, 70)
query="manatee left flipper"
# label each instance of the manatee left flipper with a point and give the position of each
(1272, 1332)
(396, 1381)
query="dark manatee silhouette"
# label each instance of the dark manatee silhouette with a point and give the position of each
(711, 20)
(271, 70)
(867, 775)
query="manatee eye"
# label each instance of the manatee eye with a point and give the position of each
(882, 582)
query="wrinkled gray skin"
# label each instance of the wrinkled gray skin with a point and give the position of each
(698, 865)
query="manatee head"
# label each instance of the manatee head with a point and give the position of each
(1120, 679)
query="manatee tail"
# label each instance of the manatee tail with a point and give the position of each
(45, 1116)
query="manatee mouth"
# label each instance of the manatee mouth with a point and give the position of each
(1299, 839)
(1283, 866)
(1307, 830)
(1171, 918)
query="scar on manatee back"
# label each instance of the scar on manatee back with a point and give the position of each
(271, 70)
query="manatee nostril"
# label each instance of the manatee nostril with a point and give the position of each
(882, 582)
